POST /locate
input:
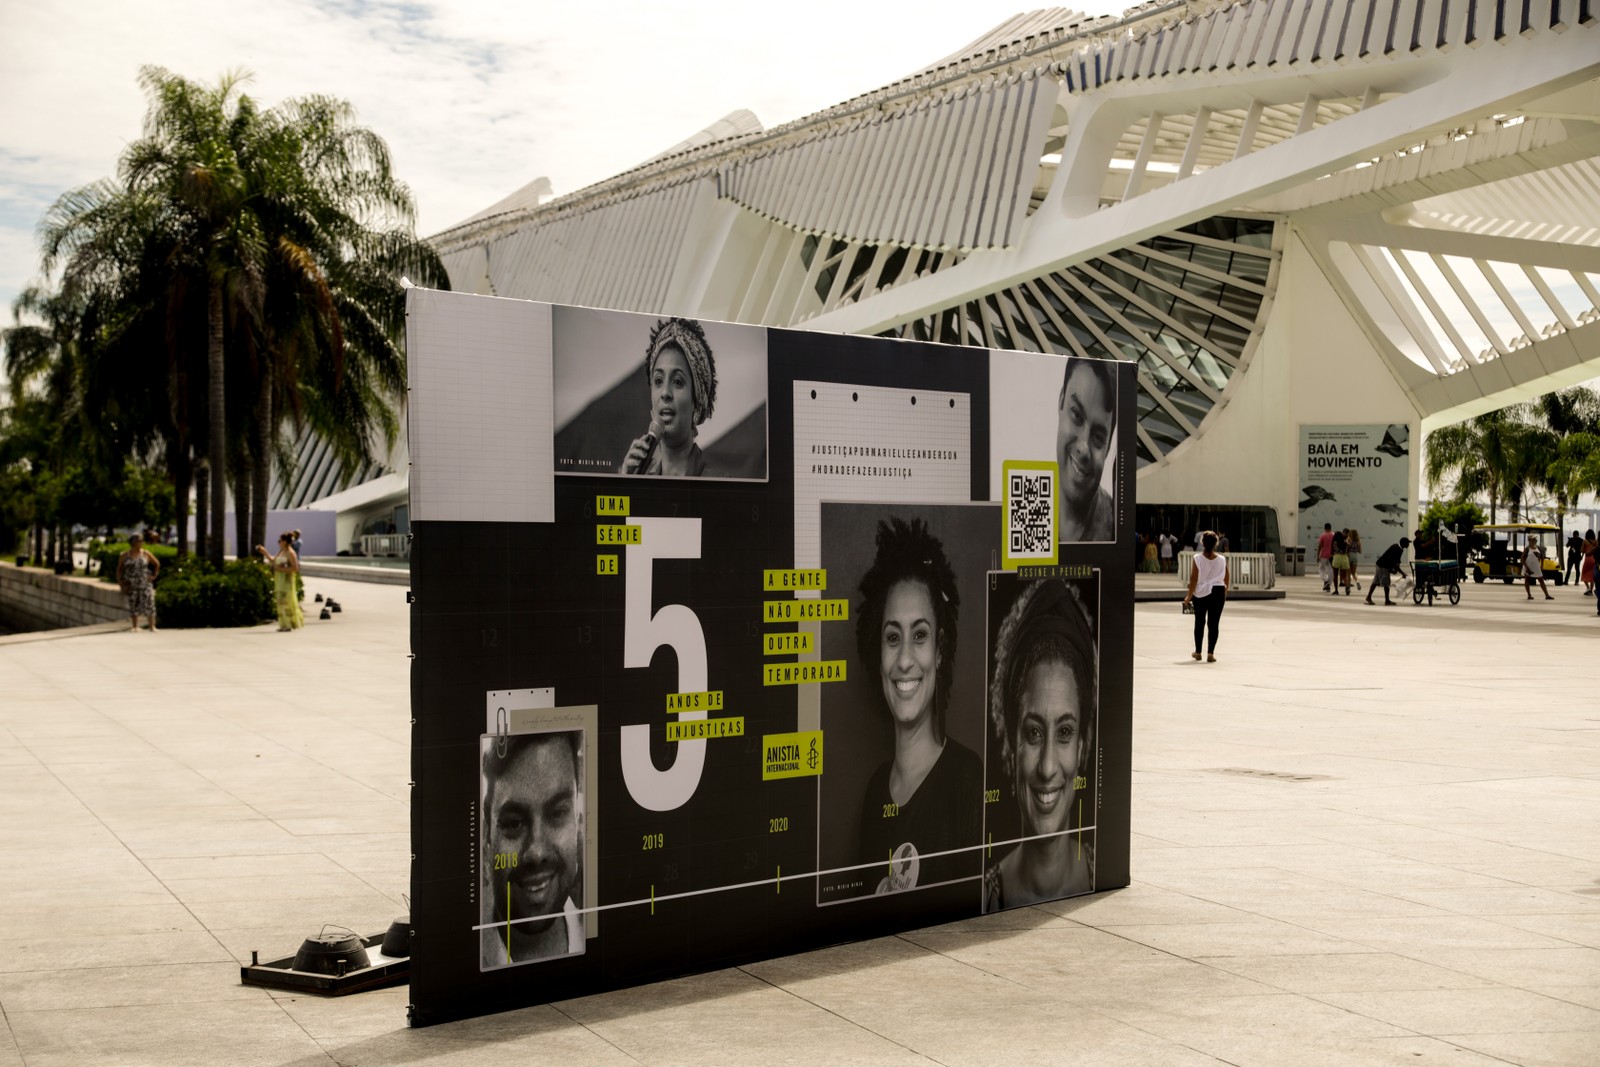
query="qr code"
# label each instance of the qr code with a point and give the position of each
(1031, 513)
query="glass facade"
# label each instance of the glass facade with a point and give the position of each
(1183, 306)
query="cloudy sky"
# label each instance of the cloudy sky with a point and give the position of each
(475, 99)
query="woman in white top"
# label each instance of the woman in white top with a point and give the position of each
(1208, 588)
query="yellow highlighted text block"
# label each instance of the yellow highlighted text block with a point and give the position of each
(785, 644)
(618, 534)
(792, 579)
(805, 610)
(611, 505)
(711, 701)
(705, 729)
(605, 563)
(826, 670)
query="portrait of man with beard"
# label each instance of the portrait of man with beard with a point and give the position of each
(1086, 425)
(532, 821)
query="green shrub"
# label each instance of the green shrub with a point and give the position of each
(109, 554)
(197, 595)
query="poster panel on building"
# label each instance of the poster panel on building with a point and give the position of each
(732, 642)
(1354, 478)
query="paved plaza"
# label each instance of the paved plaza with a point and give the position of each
(1366, 835)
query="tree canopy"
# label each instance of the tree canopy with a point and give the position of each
(237, 279)
(1550, 444)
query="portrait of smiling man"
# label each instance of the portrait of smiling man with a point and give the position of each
(1086, 425)
(533, 847)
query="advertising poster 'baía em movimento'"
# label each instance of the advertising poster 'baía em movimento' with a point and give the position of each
(732, 642)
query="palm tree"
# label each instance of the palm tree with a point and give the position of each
(124, 253)
(44, 367)
(340, 234)
(1478, 454)
(271, 241)
(188, 160)
(1572, 417)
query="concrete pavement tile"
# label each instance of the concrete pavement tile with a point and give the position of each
(1522, 968)
(238, 1033)
(1211, 829)
(1418, 1051)
(436, 1047)
(1574, 1049)
(334, 844)
(1140, 903)
(1286, 1020)
(257, 839)
(1345, 972)
(726, 1017)
(1335, 903)
(267, 887)
(1465, 1011)
(998, 922)
(356, 910)
(1385, 877)
(1155, 981)
(112, 950)
(1252, 937)
(111, 987)
(956, 1003)
(338, 1020)
(1373, 833)
(1510, 900)
(10, 1055)
(1415, 936)
(1552, 870)
(1469, 854)
(243, 868)
(98, 919)
(1209, 882)
(1307, 858)
(1036, 959)
(1586, 995)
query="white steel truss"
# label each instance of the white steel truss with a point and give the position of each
(1123, 187)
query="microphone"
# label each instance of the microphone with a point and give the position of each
(652, 439)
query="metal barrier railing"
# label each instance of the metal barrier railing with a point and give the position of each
(1246, 570)
(385, 545)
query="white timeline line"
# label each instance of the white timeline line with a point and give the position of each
(652, 900)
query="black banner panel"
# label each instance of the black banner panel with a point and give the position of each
(732, 642)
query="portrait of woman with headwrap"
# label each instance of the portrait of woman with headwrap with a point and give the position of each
(1043, 699)
(681, 380)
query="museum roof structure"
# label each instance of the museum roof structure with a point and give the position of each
(1125, 187)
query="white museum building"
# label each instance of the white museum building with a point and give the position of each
(1287, 213)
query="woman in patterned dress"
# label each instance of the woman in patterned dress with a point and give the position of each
(285, 593)
(136, 574)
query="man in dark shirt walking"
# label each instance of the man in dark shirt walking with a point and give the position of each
(1388, 563)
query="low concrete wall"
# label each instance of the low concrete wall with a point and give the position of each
(32, 599)
(355, 572)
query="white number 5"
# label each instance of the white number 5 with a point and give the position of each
(678, 628)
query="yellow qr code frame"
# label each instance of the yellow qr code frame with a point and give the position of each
(1012, 562)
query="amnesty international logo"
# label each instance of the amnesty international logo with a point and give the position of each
(796, 755)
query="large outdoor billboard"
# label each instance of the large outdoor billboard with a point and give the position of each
(731, 642)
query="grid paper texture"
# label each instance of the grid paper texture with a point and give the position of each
(869, 444)
(479, 418)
